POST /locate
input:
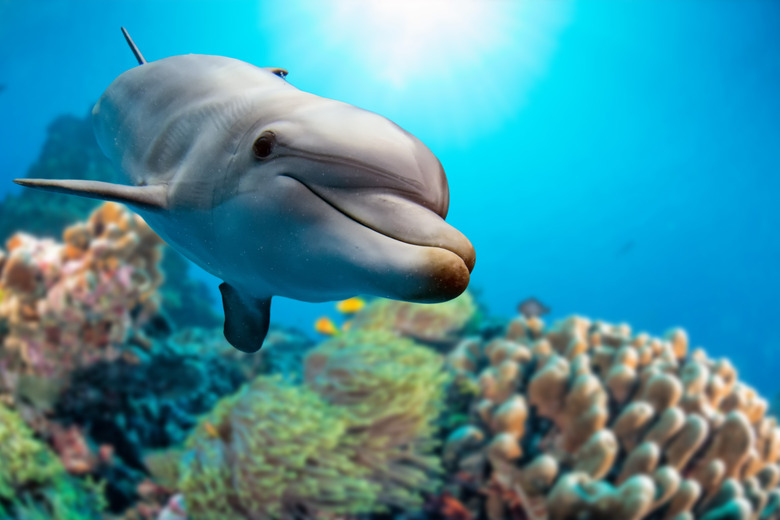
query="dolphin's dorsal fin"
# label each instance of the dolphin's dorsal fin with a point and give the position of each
(153, 197)
(133, 47)
(246, 318)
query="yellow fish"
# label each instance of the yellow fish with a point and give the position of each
(211, 430)
(351, 305)
(326, 326)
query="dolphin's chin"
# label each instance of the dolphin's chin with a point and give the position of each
(452, 255)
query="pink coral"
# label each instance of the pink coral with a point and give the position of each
(67, 304)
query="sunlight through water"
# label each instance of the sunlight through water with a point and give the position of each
(452, 59)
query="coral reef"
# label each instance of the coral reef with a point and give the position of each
(136, 406)
(131, 407)
(33, 482)
(355, 438)
(392, 390)
(249, 459)
(65, 305)
(283, 350)
(71, 151)
(578, 420)
(586, 420)
(439, 325)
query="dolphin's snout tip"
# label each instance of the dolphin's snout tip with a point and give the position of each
(469, 256)
(447, 277)
(456, 242)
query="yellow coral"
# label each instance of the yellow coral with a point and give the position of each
(281, 450)
(392, 390)
(32, 478)
(356, 438)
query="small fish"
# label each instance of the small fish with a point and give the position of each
(532, 308)
(351, 305)
(325, 326)
(211, 430)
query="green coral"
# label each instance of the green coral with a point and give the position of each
(24, 460)
(271, 451)
(393, 391)
(33, 482)
(356, 438)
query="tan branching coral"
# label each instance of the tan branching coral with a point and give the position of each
(64, 304)
(585, 420)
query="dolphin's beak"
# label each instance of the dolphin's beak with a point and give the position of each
(401, 219)
(387, 181)
(439, 270)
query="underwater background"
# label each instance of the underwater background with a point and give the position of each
(619, 161)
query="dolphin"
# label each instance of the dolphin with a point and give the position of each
(274, 190)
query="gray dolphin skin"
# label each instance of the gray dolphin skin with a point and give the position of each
(274, 190)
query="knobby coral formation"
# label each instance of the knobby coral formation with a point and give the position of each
(355, 438)
(68, 304)
(586, 420)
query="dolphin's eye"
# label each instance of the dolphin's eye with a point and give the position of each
(264, 145)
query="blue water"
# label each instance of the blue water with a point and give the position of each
(619, 160)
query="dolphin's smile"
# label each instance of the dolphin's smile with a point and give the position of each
(373, 208)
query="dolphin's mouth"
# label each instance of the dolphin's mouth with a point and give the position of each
(395, 217)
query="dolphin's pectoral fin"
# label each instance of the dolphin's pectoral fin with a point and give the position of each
(246, 318)
(153, 197)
